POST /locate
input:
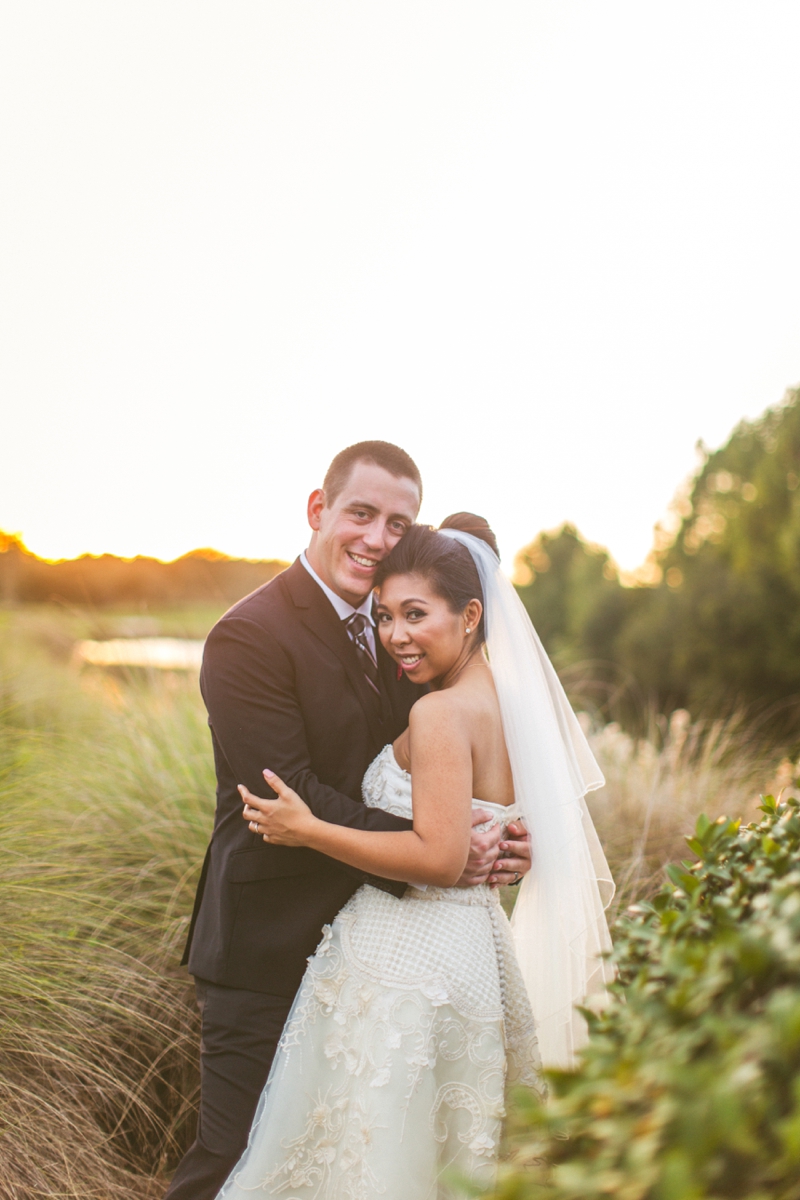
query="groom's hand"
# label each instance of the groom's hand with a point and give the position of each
(515, 856)
(483, 850)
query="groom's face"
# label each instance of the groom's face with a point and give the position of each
(358, 528)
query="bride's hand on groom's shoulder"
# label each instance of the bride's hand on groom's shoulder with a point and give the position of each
(285, 821)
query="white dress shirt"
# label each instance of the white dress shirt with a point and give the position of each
(343, 609)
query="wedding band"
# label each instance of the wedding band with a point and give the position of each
(516, 877)
(253, 827)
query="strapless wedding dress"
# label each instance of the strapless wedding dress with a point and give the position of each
(411, 1020)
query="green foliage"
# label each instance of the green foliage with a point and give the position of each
(716, 625)
(690, 1086)
(734, 568)
(573, 594)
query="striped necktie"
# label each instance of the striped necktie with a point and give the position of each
(356, 631)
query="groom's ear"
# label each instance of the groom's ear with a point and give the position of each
(316, 503)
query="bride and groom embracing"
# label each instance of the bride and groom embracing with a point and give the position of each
(364, 1000)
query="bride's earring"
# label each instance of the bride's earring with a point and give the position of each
(469, 631)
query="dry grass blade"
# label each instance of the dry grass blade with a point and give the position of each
(105, 807)
(656, 787)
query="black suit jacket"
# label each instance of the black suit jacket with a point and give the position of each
(284, 689)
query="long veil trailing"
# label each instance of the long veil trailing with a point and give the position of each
(559, 923)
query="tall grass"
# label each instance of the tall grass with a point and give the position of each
(106, 800)
(656, 787)
(105, 807)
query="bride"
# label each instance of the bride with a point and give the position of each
(415, 1013)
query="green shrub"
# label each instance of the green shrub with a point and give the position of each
(690, 1086)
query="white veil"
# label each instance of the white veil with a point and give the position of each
(559, 922)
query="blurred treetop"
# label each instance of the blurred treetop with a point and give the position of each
(105, 580)
(714, 621)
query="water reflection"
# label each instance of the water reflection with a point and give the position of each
(163, 653)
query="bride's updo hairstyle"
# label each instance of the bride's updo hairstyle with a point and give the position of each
(446, 564)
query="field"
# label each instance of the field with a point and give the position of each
(106, 790)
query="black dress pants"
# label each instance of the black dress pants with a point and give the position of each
(239, 1035)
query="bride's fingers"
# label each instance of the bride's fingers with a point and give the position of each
(257, 804)
(250, 800)
(288, 795)
(277, 784)
(256, 822)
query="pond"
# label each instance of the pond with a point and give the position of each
(161, 653)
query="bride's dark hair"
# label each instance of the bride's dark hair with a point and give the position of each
(446, 564)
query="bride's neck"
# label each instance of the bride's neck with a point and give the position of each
(474, 659)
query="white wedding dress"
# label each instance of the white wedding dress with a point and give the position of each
(411, 1020)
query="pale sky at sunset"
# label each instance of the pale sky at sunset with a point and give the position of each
(545, 246)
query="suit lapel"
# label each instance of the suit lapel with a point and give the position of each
(387, 674)
(319, 615)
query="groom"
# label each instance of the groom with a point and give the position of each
(295, 679)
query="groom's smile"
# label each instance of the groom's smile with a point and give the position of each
(355, 529)
(369, 563)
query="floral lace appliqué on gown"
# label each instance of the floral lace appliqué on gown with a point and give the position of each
(411, 1020)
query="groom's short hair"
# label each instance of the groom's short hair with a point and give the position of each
(383, 454)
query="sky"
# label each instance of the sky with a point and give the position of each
(545, 246)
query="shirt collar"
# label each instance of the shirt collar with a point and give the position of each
(343, 609)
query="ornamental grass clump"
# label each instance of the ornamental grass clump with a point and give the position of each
(657, 786)
(690, 1086)
(106, 797)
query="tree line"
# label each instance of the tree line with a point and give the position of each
(717, 624)
(100, 581)
(712, 625)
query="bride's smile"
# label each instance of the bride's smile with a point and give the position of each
(429, 641)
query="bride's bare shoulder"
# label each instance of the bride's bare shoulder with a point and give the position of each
(429, 705)
(450, 706)
(438, 729)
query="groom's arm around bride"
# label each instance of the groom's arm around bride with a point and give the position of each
(287, 687)
(284, 690)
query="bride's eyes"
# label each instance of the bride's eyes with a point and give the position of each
(412, 614)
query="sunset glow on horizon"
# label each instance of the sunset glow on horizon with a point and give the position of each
(546, 247)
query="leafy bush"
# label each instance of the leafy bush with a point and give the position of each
(690, 1086)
